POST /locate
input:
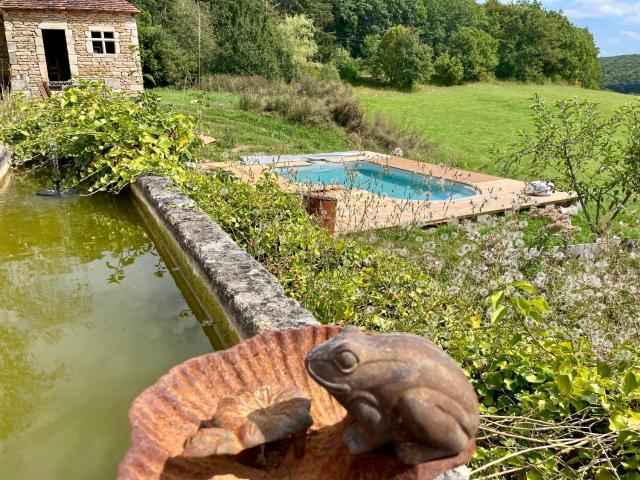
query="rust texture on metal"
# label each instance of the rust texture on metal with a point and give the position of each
(174, 409)
(252, 418)
(323, 208)
(402, 390)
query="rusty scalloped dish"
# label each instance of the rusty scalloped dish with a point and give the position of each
(174, 409)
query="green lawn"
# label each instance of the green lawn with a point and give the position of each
(245, 133)
(469, 121)
(466, 122)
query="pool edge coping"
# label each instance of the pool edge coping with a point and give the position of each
(251, 298)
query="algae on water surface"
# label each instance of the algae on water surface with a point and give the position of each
(89, 317)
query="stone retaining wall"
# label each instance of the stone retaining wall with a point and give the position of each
(251, 298)
(5, 156)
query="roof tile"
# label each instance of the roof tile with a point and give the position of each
(92, 5)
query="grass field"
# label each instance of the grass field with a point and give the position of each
(245, 133)
(469, 121)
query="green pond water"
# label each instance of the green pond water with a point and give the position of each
(90, 316)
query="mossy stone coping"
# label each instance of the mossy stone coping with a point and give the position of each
(251, 298)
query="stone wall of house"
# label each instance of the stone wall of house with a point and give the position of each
(5, 71)
(26, 49)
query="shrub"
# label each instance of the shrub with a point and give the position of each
(321, 103)
(551, 410)
(447, 71)
(582, 150)
(552, 407)
(402, 59)
(103, 139)
(587, 323)
(328, 72)
(477, 50)
(348, 67)
(236, 83)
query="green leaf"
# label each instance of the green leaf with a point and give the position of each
(534, 475)
(476, 321)
(604, 474)
(523, 305)
(532, 378)
(524, 286)
(630, 384)
(496, 299)
(498, 314)
(565, 384)
(541, 304)
(605, 370)
(618, 423)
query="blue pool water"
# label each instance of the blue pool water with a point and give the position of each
(386, 181)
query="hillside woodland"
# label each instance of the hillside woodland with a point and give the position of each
(401, 42)
(622, 73)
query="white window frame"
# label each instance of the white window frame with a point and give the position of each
(101, 30)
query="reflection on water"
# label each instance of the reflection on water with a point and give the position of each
(88, 319)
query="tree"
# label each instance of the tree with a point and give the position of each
(176, 40)
(442, 18)
(248, 40)
(582, 150)
(369, 56)
(579, 62)
(622, 73)
(297, 34)
(447, 70)
(524, 39)
(477, 50)
(518, 40)
(535, 44)
(353, 20)
(402, 59)
(320, 12)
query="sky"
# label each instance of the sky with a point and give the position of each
(615, 24)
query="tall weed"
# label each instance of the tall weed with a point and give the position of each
(316, 102)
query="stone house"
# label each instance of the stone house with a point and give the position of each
(52, 42)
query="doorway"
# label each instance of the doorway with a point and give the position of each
(56, 54)
(5, 66)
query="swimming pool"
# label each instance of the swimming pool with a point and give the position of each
(385, 181)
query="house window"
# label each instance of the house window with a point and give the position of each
(103, 43)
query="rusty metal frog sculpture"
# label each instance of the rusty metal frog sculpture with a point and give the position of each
(400, 389)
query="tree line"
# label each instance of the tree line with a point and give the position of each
(622, 73)
(400, 42)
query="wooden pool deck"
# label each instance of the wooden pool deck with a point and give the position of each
(359, 210)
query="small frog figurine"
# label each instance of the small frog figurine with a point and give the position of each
(400, 389)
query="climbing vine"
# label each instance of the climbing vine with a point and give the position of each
(103, 140)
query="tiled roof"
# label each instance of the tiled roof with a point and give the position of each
(91, 5)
